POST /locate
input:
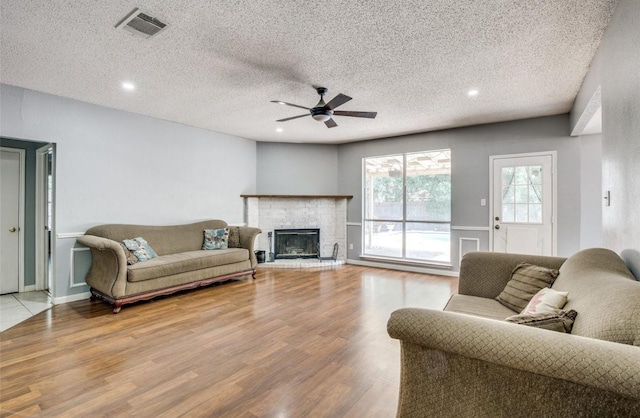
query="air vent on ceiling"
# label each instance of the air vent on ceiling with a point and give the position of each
(141, 24)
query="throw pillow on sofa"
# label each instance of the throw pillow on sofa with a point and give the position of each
(526, 281)
(131, 258)
(216, 239)
(140, 248)
(234, 237)
(546, 301)
(561, 321)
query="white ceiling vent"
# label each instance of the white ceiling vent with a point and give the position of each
(141, 24)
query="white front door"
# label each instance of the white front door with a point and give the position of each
(523, 204)
(10, 169)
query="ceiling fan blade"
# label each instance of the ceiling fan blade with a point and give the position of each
(289, 104)
(355, 114)
(331, 123)
(339, 100)
(293, 117)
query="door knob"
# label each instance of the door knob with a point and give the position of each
(497, 227)
(497, 218)
(12, 230)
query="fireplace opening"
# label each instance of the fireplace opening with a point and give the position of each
(296, 243)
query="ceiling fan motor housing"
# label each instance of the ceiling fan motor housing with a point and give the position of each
(321, 113)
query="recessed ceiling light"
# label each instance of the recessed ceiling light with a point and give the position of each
(127, 85)
(472, 92)
(278, 129)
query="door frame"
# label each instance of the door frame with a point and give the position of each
(21, 207)
(42, 240)
(554, 193)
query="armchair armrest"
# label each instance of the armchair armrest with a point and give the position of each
(485, 274)
(607, 366)
(248, 236)
(108, 272)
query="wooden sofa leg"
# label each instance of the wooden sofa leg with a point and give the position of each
(117, 306)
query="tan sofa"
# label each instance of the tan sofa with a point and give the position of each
(467, 362)
(181, 262)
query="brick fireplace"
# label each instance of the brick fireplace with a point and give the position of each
(327, 213)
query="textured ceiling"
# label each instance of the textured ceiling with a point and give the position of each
(220, 63)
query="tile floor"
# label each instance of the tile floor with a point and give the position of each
(17, 307)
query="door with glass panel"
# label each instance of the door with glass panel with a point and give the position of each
(523, 204)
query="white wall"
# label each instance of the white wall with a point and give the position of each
(297, 168)
(119, 167)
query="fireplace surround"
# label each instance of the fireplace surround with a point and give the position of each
(328, 213)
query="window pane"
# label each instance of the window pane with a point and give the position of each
(535, 174)
(383, 192)
(534, 195)
(507, 195)
(507, 176)
(429, 186)
(522, 213)
(383, 238)
(428, 242)
(508, 213)
(535, 213)
(521, 175)
(522, 195)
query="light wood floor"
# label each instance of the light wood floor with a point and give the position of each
(292, 343)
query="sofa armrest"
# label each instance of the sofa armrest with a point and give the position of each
(108, 272)
(607, 366)
(485, 274)
(248, 236)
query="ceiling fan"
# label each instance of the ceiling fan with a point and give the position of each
(322, 111)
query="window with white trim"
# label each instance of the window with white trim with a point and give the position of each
(407, 207)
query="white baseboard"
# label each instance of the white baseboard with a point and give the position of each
(71, 298)
(401, 267)
(30, 288)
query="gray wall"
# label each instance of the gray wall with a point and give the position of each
(620, 81)
(471, 148)
(615, 70)
(29, 205)
(591, 199)
(119, 167)
(297, 168)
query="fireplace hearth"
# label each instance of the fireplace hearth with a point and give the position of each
(296, 243)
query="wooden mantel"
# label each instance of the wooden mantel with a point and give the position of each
(299, 196)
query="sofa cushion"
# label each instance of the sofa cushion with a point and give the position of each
(170, 264)
(561, 321)
(526, 281)
(605, 293)
(474, 305)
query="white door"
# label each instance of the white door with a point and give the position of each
(523, 204)
(10, 169)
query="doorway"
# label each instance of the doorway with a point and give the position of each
(523, 203)
(11, 220)
(44, 217)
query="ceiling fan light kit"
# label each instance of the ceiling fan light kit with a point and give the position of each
(323, 112)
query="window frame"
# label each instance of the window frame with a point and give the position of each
(404, 221)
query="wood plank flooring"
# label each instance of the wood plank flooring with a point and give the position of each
(291, 343)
